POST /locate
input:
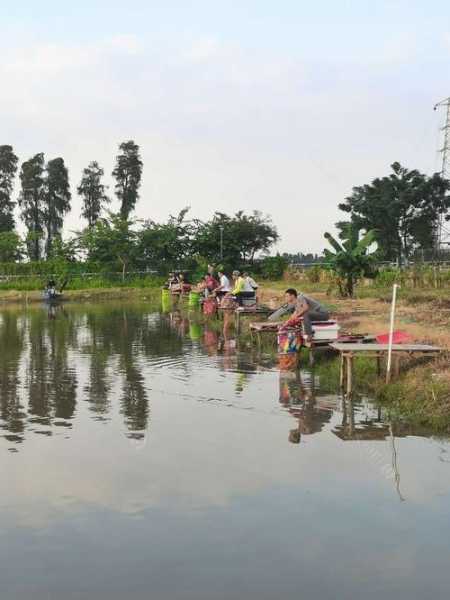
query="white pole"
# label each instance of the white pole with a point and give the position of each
(391, 332)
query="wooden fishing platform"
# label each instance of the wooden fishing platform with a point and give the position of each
(245, 311)
(348, 351)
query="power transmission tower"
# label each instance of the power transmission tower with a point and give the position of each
(441, 232)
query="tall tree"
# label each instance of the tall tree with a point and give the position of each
(56, 200)
(111, 242)
(30, 202)
(92, 191)
(234, 239)
(128, 173)
(402, 207)
(8, 170)
(11, 247)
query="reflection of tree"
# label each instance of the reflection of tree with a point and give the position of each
(134, 401)
(11, 411)
(52, 383)
(99, 351)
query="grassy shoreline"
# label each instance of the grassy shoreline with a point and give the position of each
(421, 394)
(87, 294)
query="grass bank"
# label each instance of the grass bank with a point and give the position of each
(87, 294)
(90, 287)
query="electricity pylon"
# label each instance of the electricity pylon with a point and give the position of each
(441, 231)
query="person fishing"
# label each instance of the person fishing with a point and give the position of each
(241, 289)
(307, 309)
(224, 286)
(50, 289)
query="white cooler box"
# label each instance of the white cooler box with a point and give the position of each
(325, 330)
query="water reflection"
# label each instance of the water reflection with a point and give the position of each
(159, 455)
(56, 362)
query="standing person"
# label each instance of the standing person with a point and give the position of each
(211, 284)
(306, 308)
(224, 286)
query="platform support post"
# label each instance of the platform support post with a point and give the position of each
(349, 374)
(342, 373)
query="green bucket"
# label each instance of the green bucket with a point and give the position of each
(194, 299)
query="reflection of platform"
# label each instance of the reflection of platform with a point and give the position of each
(243, 311)
(367, 432)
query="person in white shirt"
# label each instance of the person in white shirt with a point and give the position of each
(224, 287)
(250, 283)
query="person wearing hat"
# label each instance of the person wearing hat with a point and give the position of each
(239, 288)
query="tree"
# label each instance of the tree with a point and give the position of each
(403, 207)
(111, 242)
(56, 200)
(165, 245)
(240, 237)
(8, 169)
(128, 173)
(92, 191)
(11, 246)
(350, 260)
(30, 202)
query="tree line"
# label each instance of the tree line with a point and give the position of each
(44, 197)
(402, 209)
(112, 241)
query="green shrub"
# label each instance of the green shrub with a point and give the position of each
(273, 267)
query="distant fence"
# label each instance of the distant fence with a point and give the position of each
(81, 275)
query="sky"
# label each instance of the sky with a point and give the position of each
(281, 106)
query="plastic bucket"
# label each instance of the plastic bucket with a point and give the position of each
(289, 342)
(194, 299)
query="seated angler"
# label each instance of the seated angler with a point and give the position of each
(224, 286)
(241, 288)
(305, 308)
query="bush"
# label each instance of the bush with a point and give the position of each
(273, 267)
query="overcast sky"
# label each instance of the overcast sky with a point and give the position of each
(277, 106)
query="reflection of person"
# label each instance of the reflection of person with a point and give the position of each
(298, 398)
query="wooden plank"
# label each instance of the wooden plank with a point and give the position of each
(360, 347)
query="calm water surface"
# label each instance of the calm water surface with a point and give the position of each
(146, 456)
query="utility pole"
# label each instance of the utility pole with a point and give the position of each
(445, 168)
(221, 241)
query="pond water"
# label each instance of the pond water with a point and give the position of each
(148, 456)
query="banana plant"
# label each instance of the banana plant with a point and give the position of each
(351, 259)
